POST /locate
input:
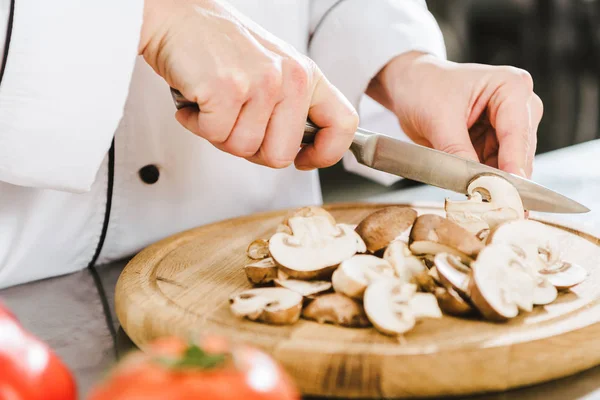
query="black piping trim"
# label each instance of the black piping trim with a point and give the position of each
(109, 194)
(11, 17)
(105, 307)
(320, 23)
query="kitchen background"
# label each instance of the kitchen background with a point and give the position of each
(557, 41)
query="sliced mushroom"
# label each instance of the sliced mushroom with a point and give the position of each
(276, 306)
(432, 234)
(502, 204)
(381, 227)
(538, 244)
(305, 288)
(311, 211)
(260, 272)
(394, 307)
(337, 309)
(355, 274)
(312, 252)
(406, 265)
(361, 247)
(453, 273)
(258, 249)
(501, 284)
(451, 302)
(426, 282)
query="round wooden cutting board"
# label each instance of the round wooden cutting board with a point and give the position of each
(181, 286)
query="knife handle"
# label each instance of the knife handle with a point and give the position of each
(310, 129)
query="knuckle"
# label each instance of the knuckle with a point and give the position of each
(236, 85)
(271, 81)
(538, 105)
(519, 76)
(299, 75)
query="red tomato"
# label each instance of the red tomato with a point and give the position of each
(29, 370)
(175, 370)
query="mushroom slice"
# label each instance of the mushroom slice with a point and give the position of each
(406, 265)
(311, 252)
(501, 284)
(361, 247)
(502, 204)
(381, 227)
(432, 234)
(426, 282)
(394, 307)
(258, 249)
(564, 275)
(305, 288)
(337, 309)
(306, 212)
(453, 273)
(276, 306)
(538, 244)
(451, 302)
(355, 274)
(260, 272)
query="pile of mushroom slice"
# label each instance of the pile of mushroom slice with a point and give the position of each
(397, 268)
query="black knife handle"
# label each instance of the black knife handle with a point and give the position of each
(310, 129)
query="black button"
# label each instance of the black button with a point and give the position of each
(149, 174)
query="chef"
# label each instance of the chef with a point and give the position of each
(95, 164)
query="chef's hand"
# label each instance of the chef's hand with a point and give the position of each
(254, 91)
(480, 112)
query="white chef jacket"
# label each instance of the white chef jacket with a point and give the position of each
(72, 82)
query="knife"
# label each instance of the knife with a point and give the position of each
(433, 167)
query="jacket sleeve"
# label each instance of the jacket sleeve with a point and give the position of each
(67, 70)
(352, 40)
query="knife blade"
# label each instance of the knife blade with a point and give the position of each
(433, 167)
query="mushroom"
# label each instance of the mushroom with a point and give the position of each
(538, 245)
(394, 307)
(305, 212)
(260, 272)
(405, 264)
(453, 273)
(451, 302)
(337, 309)
(305, 288)
(432, 234)
(502, 204)
(315, 248)
(276, 306)
(501, 284)
(381, 227)
(355, 274)
(258, 249)
(426, 281)
(361, 247)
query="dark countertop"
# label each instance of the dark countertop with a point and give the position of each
(75, 315)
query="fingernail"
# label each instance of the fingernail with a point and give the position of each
(304, 167)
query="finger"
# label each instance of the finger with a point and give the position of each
(338, 121)
(286, 124)
(219, 110)
(514, 130)
(449, 134)
(249, 130)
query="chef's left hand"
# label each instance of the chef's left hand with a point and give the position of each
(485, 113)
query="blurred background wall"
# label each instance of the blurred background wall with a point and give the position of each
(557, 41)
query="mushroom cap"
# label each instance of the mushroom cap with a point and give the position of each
(381, 227)
(258, 249)
(304, 288)
(386, 315)
(276, 306)
(337, 309)
(453, 273)
(310, 211)
(263, 271)
(500, 284)
(314, 250)
(361, 247)
(432, 234)
(354, 275)
(406, 265)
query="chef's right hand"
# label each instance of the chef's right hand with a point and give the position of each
(254, 91)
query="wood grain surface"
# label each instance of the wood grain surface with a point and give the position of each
(181, 285)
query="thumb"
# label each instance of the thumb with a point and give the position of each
(451, 135)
